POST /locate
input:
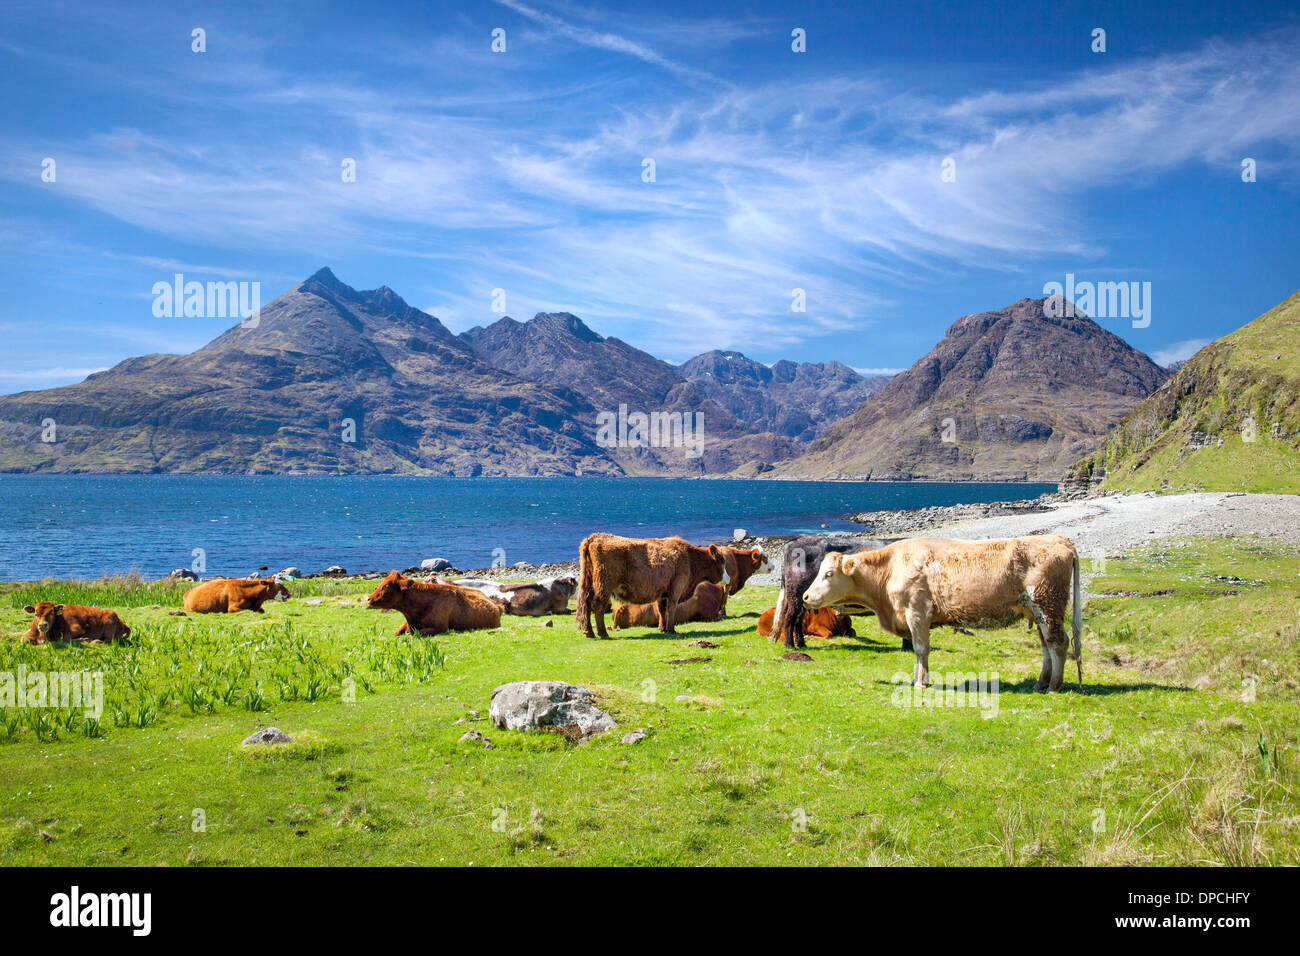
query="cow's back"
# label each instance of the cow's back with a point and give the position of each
(967, 581)
(206, 598)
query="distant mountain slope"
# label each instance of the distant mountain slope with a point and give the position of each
(1016, 393)
(1228, 421)
(275, 398)
(797, 400)
(559, 350)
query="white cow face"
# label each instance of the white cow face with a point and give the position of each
(830, 586)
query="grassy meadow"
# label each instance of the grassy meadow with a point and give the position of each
(1181, 749)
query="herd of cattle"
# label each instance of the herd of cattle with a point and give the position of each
(909, 585)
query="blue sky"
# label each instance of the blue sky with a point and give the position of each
(522, 170)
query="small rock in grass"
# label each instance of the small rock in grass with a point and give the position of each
(683, 698)
(476, 736)
(548, 705)
(692, 660)
(271, 735)
(315, 601)
(795, 656)
(634, 736)
(702, 643)
(549, 623)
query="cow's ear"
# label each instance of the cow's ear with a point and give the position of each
(29, 609)
(758, 554)
(713, 550)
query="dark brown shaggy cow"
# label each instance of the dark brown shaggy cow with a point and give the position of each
(657, 571)
(434, 608)
(705, 604)
(823, 622)
(73, 622)
(229, 595)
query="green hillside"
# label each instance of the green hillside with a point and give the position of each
(1228, 421)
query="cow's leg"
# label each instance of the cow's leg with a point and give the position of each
(600, 607)
(1044, 638)
(918, 622)
(792, 626)
(667, 608)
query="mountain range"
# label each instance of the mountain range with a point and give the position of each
(336, 380)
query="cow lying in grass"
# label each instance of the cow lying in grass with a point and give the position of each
(73, 622)
(233, 594)
(914, 584)
(542, 597)
(434, 608)
(823, 623)
(659, 571)
(704, 605)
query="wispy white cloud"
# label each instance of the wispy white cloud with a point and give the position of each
(830, 185)
(1178, 351)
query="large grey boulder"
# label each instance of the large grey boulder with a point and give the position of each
(548, 705)
(271, 735)
(435, 564)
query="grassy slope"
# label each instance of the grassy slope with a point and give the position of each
(1254, 373)
(1162, 743)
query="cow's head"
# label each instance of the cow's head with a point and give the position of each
(46, 613)
(715, 566)
(277, 590)
(389, 591)
(564, 587)
(832, 583)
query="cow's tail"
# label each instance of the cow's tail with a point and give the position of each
(1076, 622)
(582, 610)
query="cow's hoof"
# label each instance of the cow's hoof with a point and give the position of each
(1041, 688)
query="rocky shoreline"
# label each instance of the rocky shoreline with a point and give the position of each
(912, 521)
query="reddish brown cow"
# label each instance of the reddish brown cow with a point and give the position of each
(705, 604)
(823, 622)
(431, 608)
(659, 571)
(229, 595)
(73, 622)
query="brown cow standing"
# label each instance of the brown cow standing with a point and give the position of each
(823, 623)
(73, 622)
(741, 564)
(229, 595)
(431, 608)
(657, 571)
(703, 605)
(914, 584)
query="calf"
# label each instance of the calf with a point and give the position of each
(705, 604)
(822, 623)
(800, 559)
(73, 622)
(914, 584)
(229, 595)
(432, 608)
(659, 571)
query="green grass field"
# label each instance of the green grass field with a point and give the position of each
(1182, 750)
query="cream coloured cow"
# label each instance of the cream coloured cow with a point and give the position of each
(919, 582)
